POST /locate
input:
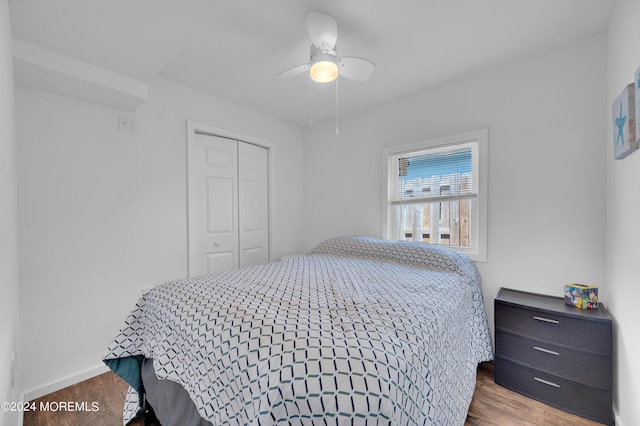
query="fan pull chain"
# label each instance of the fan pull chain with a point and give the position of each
(310, 120)
(337, 127)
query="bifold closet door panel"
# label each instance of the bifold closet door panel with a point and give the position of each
(228, 206)
(253, 187)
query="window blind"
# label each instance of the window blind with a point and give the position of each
(444, 173)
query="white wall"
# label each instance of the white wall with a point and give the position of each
(546, 165)
(623, 203)
(102, 213)
(8, 227)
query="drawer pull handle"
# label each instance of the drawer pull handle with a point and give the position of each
(547, 351)
(546, 382)
(547, 320)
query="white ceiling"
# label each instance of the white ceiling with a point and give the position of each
(231, 49)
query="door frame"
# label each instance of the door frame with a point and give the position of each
(194, 127)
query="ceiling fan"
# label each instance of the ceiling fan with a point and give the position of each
(324, 64)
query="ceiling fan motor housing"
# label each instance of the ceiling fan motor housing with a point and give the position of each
(324, 64)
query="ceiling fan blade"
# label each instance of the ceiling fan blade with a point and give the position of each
(298, 69)
(354, 68)
(323, 30)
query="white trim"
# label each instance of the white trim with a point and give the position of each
(61, 384)
(194, 127)
(616, 416)
(433, 199)
(616, 419)
(482, 137)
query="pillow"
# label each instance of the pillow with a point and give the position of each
(407, 252)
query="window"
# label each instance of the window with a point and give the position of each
(436, 192)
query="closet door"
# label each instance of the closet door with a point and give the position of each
(228, 205)
(213, 205)
(253, 199)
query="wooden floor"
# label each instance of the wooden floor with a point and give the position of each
(491, 405)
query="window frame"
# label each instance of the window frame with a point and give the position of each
(478, 251)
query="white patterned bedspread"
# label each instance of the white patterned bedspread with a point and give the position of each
(359, 331)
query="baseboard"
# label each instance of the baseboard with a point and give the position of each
(616, 417)
(61, 384)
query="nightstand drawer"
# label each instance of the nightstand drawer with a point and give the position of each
(590, 368)
(583, 400)
(553, 327)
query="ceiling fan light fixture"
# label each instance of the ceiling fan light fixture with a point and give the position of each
(324, 68)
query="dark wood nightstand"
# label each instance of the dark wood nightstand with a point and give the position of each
(555, 353)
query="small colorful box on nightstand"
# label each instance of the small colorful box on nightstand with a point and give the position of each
(581, 296)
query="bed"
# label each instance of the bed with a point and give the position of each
(359, 331)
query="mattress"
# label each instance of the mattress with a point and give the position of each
(358, 331)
